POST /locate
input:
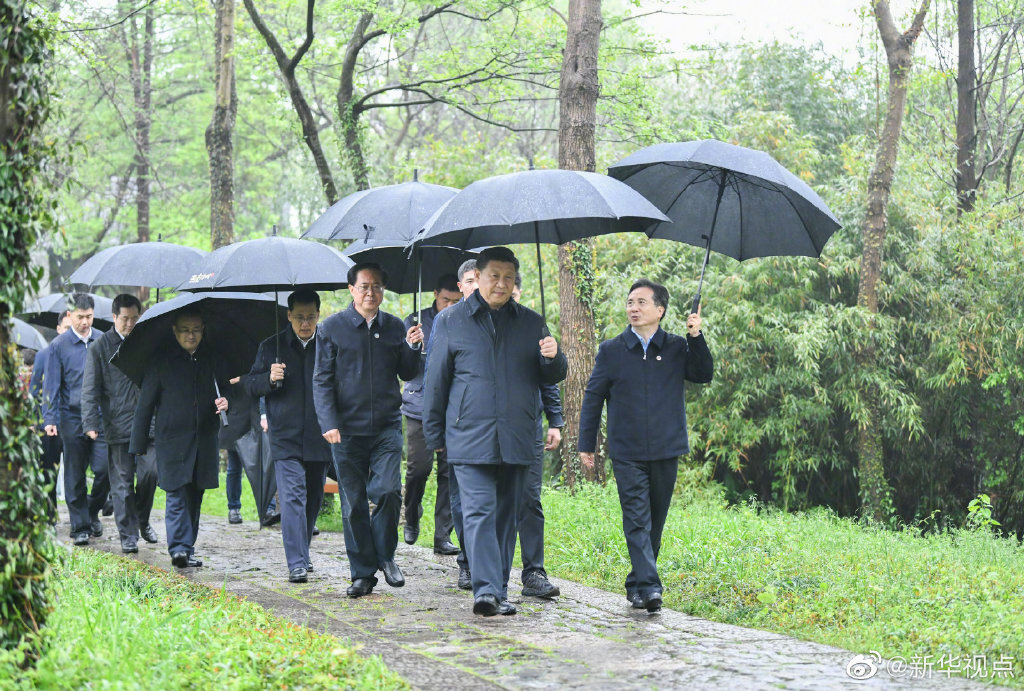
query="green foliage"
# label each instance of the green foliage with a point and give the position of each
(25, 208)
(123, 624)
(979, 513)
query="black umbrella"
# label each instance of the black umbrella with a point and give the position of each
(254, 450)
(390, 213)
(152, 264)
(735, 201)
(47, 310)
(535, 206)
(403, 274)
(26, 336)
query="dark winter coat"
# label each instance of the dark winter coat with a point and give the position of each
(109, 397)
(62, 386)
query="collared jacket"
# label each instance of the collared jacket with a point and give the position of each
(179, 389)
(412, 393)
(355, 381)
(109, 397)
(62, 386)
(35, 384)
(481, 396)
(645, 394)
(291, 414)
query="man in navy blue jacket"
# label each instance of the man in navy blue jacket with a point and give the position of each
(641, 373)
(283, 374)
(360, 355)
(52, 446)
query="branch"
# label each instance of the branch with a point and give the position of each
(108, 26)
(309, 36)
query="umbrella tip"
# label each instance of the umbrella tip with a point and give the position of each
(415, 175)
(273, 230)
(531, 162)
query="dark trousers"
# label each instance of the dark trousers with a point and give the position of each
(456, 505)
(50, 463)
(233, 483)
(645, 492)
(491, 495)
(531, 516)
(132, 485)
(300, 489)
(181, 518)
(419, 463)
(81, 452)
(370, 468)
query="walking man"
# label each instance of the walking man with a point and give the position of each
(283, 373)
(488, 357)
(52, 446)
(420, 459)
(641, 373)
(360, 355)
(62, 386)
(108, 408)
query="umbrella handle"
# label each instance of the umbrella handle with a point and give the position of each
(223, 415)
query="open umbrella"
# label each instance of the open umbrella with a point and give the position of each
(535, 206)
(151, 264)
(730, 199)
(46, 310)
(26, 336)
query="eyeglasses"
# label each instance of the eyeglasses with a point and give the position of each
(189, 332)
(305, 320)
(364, 288)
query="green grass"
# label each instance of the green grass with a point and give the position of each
(122, 624)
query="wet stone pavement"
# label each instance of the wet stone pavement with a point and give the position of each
(585, 639)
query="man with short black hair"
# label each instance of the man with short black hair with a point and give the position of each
(52, 445)
(467, 277)
(62, 387)
(283, 375)
(360, 355)
(108, 408)
(420, 460)
(642, 374)
(488, 357)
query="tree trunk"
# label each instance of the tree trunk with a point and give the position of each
(876, 495)
(140, 61)
(220, 132)
(966, 110)
(348, 110)
(577, 112)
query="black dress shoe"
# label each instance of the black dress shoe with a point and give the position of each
(148, 534)
(129, 545)
(298, 575)
(272, 519)
(193, 562)
(361, 586)
(652, 602)
(445, 547)
(636, 600)
(81, 539)
(486, 605)
(465, 579)
(507, 608)
(536, 584)
(412, 526)
(392, 574)
(108, 507)
(180, 560)
(96, 528)
(234, 516)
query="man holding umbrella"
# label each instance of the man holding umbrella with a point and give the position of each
(181, 386)
(109, 398)
(360, 354)
(283, 374)
(488, 358)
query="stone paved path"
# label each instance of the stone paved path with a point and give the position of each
(586, 639)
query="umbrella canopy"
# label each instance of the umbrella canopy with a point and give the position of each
(402, 263)
(735, 201)
(391, 213)
(152, 264)
(273, 263)
(26, 336)
(47, 310)
(236, 323)
(254, 450)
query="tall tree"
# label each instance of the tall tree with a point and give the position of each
(220, 132)
(966, 108)
(876, 495)
(577, 124)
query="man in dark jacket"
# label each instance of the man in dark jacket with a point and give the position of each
(108, 406)
(283, 373)
(360, 355)
(488, 358)
(641, 373)
(52, 446)
(180, 387)
(420, 460)
(62, 389)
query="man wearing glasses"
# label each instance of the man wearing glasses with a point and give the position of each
(360, 355)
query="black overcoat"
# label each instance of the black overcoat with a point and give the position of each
(109, 397)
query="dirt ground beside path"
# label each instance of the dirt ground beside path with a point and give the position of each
(585, 639)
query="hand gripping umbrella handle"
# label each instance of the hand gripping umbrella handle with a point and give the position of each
(223, 415)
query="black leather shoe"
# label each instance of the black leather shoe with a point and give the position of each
(412, 526)
(361, 586)
(180, 560)
(652, 602)
(148, 534)
(507, 608)
(445, 547)
(392, 574)
(298, 575)
(129, 545)
(96, 528)
(465, 579)
(81, 539)
(486, 605)
(636, 600)
(193, 562)
(108, 507)
(234, 516)
(272, 519)
(536, 584)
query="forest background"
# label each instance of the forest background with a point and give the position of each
(312, 101)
